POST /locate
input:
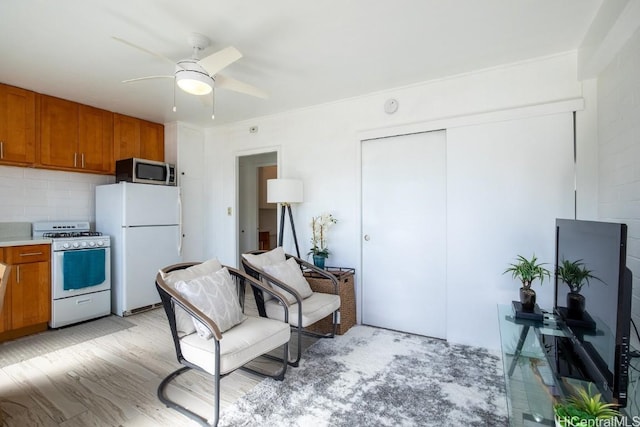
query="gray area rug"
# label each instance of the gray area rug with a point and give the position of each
(376, 377)
(55, 339)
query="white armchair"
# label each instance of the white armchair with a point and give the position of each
(204, 304)
(283, 272)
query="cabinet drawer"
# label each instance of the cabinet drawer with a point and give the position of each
(27, 253)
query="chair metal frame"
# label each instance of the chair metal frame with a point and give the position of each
(259, 275)
(170, 299)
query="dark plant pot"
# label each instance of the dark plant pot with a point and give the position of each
(575, 305)
(318, 261)
(527, 299)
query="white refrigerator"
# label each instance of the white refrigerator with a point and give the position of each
(144, 222)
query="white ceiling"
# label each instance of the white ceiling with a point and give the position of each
(302, 52)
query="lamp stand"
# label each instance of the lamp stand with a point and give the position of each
(293, 228)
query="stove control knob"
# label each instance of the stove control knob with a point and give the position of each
(92, 243)
(83, 244)
(65, 246)
(76, 244)
(100, 243)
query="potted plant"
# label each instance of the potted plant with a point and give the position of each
(583, 409)
(575, 274)
(527, 271)
(320, 226)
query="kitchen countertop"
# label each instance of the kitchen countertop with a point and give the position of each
(18, 234)
(24, 240)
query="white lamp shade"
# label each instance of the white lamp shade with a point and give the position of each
(284, 191)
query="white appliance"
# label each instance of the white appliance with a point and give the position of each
(144, 222)
(80, 271)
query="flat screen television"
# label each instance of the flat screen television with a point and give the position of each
(597, 346)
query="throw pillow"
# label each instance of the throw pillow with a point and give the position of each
(215, 295)
(289, 273)
(274, 256)
(184, 323)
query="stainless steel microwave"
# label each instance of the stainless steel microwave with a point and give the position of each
(145, 171)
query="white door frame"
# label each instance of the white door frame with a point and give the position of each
(237, 155)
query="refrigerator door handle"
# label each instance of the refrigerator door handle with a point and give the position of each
(180, 224)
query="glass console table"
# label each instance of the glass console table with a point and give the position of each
(531, 385)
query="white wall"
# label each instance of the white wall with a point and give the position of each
(619, 152)
(320, 145)
(29, 194)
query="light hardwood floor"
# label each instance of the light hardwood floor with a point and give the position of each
(112, 381)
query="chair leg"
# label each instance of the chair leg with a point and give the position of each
(173, 405)
(302, 331)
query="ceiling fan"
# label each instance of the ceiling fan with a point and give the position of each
(199, 76)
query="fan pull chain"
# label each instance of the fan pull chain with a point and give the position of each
(174, 94)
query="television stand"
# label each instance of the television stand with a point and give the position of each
(531, 385)
(531, 379)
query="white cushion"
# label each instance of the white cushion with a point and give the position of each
(184, 321)
(316, 307)
(239, 345)
(216, 296)
(289, 273)
(274, 256)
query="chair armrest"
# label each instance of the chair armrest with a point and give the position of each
(315, 270)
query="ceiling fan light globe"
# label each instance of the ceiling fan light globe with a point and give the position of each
(194, 82)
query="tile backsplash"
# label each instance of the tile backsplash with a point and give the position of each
(28, 194)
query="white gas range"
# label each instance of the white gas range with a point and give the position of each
(80, 271)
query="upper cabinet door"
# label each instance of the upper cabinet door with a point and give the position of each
(17, 125)
(59, 132)
(151, 141)
(95, 139)
(126, 137)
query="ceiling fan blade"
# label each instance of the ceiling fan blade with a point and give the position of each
(217, 61)
(157, 55)
(228, 83)
(147, 78)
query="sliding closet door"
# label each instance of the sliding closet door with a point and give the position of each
(404, 233)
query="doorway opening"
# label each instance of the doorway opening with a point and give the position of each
(257, 219)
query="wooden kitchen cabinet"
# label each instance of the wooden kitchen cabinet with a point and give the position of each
(17, 126)
(266, 173)
(95, 139)
(58, 132)
(137, 138)
(75, 136)
(27, 306)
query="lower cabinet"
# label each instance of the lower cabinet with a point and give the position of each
(27, 304)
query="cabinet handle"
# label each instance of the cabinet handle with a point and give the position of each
(1, 149)
(18, 274)
(82, 157)
(31, 253)
(75, 160)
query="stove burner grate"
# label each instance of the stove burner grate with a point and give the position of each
(63, 234)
